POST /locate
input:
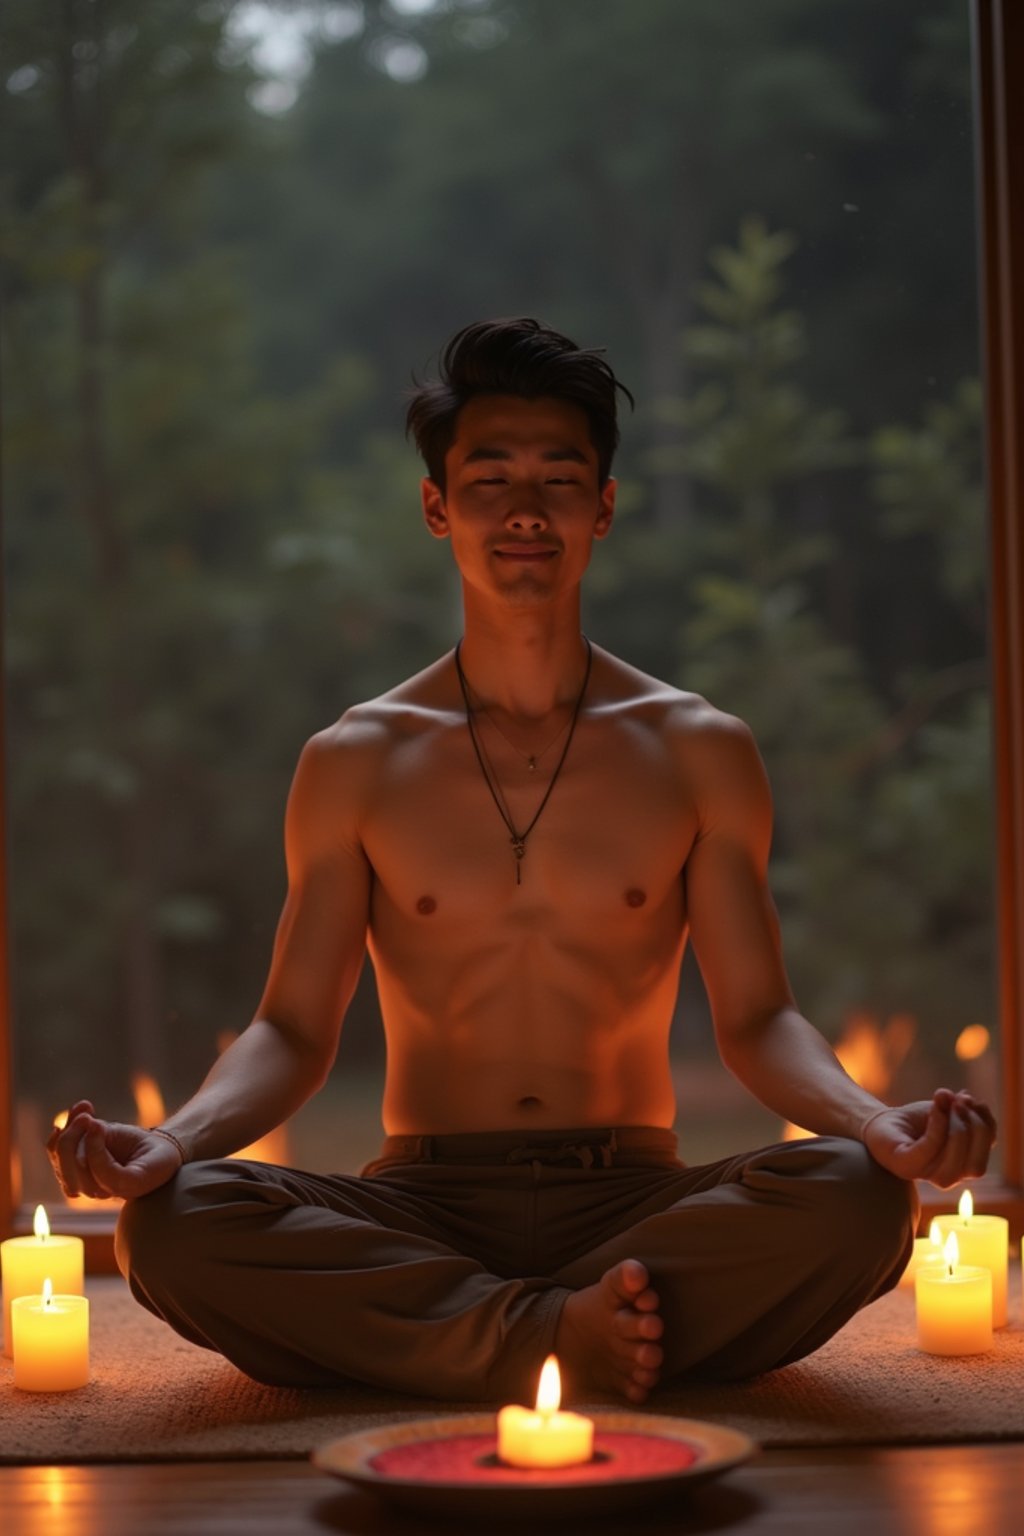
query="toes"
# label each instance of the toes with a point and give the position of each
(647, 1301)
(635, 1392)
(650, 1356)
(633, 1278)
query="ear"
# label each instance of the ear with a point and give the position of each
(602, 526)
(434, 514)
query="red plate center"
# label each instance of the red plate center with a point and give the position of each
(457, 1459)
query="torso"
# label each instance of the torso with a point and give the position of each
(545, 1003)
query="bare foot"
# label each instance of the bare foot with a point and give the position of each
(605, 1333)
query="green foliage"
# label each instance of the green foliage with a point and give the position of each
(883, 832)
(213, 542)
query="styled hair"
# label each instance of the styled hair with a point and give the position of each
(513, 357)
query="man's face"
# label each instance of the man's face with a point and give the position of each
(522, 505)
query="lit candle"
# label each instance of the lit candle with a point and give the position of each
(954, 1306)
(27, 1261)
(983, 1240)
(51, 1341)
(545, 1437)
(927, 1251)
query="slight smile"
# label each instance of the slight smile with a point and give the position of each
(530, 552)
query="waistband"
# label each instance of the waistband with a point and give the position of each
(586, 1147)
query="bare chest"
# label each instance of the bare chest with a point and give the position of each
(608, 837)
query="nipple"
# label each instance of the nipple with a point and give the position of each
(426, 905)
(635, 897)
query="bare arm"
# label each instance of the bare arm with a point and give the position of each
(285, 1054)
(762, 1037)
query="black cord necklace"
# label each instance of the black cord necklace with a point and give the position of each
(518, 839)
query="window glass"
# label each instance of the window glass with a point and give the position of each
(233, 232)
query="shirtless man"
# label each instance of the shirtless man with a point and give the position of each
(523, 835)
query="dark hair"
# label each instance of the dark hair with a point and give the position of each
(513, 357)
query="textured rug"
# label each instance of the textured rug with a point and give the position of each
(154, 1397)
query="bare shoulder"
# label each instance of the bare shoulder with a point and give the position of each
(340, 765)
(713, 752)
(687, 721)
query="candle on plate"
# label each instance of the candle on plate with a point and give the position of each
(26, 1262)
(983, 1240)
(51, 1341)
(544, 1437)
(954, 1306)
(927, 1251)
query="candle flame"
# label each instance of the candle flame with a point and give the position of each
(966, 1206)
(47, 1294)
(972, 1042)
(951, 1252)
(549, 1392)
(149, 1101)
(60, 1120)
(40, 1224)
(935, 1233)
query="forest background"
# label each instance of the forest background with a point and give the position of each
(218, 278)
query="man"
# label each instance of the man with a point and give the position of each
(523, 834)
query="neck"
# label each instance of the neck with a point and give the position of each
(527, 670)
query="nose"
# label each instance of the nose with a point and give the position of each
(527, 514)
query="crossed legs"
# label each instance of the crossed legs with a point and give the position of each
(307, 1280)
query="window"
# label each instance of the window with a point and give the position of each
(212, 545)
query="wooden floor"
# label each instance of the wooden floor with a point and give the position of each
(933, 1491)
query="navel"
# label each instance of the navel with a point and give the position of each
(426, 905)
(635, 897)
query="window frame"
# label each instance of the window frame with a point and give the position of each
(997, 28)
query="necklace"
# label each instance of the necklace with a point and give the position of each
(531, 759)
(518, 839)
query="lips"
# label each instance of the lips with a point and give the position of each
(526, 552)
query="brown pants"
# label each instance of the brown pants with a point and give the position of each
(442, 1268)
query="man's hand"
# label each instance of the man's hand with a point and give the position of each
(104, 1160)
(943, 1139)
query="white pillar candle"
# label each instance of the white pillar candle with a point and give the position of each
(954, 1306)
(982, 1240)
(51, 1341)
(25, 1262)
(544, 1437)
(927, 1251)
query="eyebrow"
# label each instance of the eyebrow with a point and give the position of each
(549, 456)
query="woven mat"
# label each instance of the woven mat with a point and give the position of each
(153, 1397)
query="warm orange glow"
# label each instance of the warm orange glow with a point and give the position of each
(871, 1053)
(972, 1042)
(53, 1485)
(40, 1224)
(271, 1148)
(61, 1120)
(549, 1391)
(149, 1101)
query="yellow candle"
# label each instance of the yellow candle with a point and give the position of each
(927, 1251)
(545, 1437)
(26, 1262)
(983, 1240)
(954, 1306)
(51, 1341)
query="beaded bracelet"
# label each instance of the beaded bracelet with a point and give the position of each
(158, 1130)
